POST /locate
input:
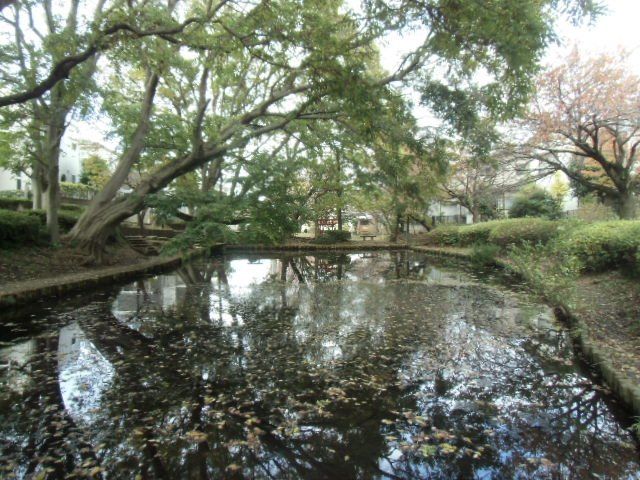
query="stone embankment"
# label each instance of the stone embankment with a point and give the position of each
(24, 292)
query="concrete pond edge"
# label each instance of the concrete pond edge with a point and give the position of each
(24, 293)
(598, 358)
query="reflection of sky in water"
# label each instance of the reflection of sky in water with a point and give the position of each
(396, 334)
(14, 360)
(242, 274)
(84, 373)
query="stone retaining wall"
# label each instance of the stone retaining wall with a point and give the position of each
(23, 293)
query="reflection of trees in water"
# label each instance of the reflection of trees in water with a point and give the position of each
(325, 379)
(46, 439)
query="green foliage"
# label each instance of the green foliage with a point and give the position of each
(76, 190)
(15, 203)
(535, 202)
(18, 228)
(605, 245)
(595, 246)
(502, 233)
(95, 172)
(321, 56)
(484, 254)
(535, 231)
(446, 235)
(66, 218)
(203, 234)
(550, 271)
(477, 233)
(333, 236)
(270, 223)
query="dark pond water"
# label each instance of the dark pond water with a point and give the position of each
(379, 365)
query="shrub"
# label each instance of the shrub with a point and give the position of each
(595, 212)
(477, 233)
(605, 245)
(484, 254)
(535, 202)
(14, 203)
(523, 230)
(443, 235)
(66, 219)
(333, 236)
(18, 228)
(549, 271)
(76, 190)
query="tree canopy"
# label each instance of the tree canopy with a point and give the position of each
(202, 88)
(584, 122)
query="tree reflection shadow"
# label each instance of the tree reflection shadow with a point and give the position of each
(320, 370)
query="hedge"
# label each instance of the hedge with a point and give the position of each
(9, 203)
(605, 245)
(477, 233)
(17, 204)
(333, 236)
(445, 235)
(598, 246)
(499, 232)
(27, 227)
(520, 230)
(66, 218)
(18, 228)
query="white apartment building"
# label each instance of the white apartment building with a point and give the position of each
(74, 151)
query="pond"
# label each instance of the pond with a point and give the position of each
(363, 365)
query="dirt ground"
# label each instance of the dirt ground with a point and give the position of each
(35, 263)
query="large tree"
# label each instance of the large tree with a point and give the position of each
(276, 63)
(584, 122)
(40, 35)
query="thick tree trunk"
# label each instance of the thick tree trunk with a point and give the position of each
(106, 211)
(475, 214)
(395, 228)
(36, 192)
(422, 221)
(53, 202)
(626, 206)
(55, 130)
(90, 233)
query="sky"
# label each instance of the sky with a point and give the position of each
(616, 27)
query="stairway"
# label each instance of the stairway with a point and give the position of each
(147, 245)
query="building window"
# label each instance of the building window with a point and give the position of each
(63, 178)
(18, 184)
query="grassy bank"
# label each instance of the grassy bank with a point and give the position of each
(585, 247)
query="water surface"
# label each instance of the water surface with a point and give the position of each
(376, 365)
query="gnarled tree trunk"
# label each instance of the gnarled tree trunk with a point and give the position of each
(626, 206)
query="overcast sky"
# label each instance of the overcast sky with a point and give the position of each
(618, 27)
